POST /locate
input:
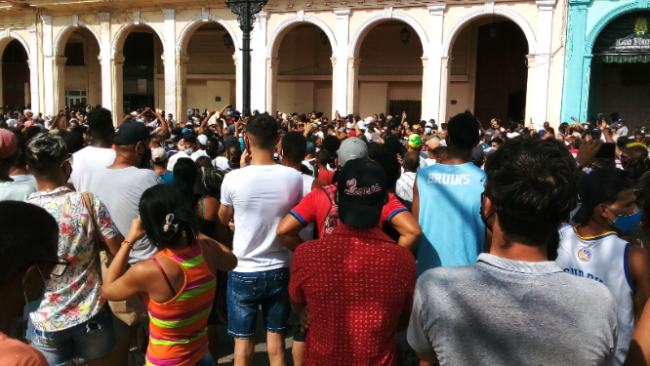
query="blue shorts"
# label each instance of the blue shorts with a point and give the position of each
(91, 339)
(247, 291)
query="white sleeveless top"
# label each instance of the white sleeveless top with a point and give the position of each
(307, 233)
(602, 258)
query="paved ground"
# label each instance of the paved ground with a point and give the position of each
(261, 358)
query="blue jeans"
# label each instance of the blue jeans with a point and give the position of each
(91, 339)
(207, 360)
(247, 291)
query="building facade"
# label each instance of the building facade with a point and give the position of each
(502, 59)
(607, 60)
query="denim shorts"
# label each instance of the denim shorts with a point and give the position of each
(247, 291)
(207, 360)
(91, 339)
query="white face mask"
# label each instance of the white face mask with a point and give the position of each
(566, 143)
(188, 151)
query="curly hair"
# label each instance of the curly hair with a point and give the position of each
(534, 186)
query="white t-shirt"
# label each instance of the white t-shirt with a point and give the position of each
(404, 188)
(221, 162)
(25, 179)
(261, 195)
(85, 162)
(174, 158)
(197, 154)
(430, 161)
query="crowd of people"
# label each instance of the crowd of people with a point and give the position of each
(500, 245)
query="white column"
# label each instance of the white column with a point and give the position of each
(33, 70)
(340, 66)
(531, 94)
(445, 62)
(170, 61)
(272, 85)
(105, 59)
(48, 65)
(541, 69)
(431, 81)
(258, 64)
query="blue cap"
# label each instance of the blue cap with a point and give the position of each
(311, 148)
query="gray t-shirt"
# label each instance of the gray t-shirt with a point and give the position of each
(504, 312)
(120, 190)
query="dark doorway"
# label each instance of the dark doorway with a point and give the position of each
(412, 108)
(138, 71)
(15, 76)
(501, 72)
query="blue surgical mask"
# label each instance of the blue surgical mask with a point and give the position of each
(625, 223)
(427, 130)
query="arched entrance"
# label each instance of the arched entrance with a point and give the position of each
(620, 70)
(15, 76)
(79, 79)
(139, 69)
(388, 72)
(304, 71)
(207, 68)
(488, 72)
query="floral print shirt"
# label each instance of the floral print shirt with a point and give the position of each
(76, 296)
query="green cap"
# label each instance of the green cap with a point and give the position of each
(415, 141)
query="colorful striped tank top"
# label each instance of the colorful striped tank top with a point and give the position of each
(178, 328)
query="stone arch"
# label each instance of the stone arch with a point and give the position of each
(123, 32)
(64, 35)
(488, 11)
(386, 15)
(606, 19)
(195, 24)
(10, 36)
(283, 28)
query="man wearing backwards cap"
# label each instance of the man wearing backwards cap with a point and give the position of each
(325, 276)
(319, 206)
(414, 143)
(10, 190)
(593, 249)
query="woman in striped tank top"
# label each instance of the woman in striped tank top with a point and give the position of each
(177, 284)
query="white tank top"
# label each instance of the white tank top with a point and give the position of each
(602, 258)
(307, 233)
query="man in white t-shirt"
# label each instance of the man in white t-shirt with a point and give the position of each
(258, 197)
(98, 154)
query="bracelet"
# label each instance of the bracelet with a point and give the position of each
(126, 242)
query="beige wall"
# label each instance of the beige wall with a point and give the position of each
(201, 94)
(87, 77)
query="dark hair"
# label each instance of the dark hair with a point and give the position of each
(374, 149)
(45, 153)
(22, 246)
(322, 157)
(189, 137)
(185, 176)
(156, 204)
(262, 131)
(392, 144)
(534, 186)
(203, 161)
(294, 146)
(100, 123)
(331, 143)
(391, 166)
(210, 180)
(412, 161)
(74, 141)
(497, 140)
(463, 131)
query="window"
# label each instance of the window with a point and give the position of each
(75, 98)
(74, 51)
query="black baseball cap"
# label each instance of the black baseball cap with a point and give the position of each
(130, 133)
(597, 187)
(362, 193)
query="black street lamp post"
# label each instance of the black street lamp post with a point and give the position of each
(246, 10)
